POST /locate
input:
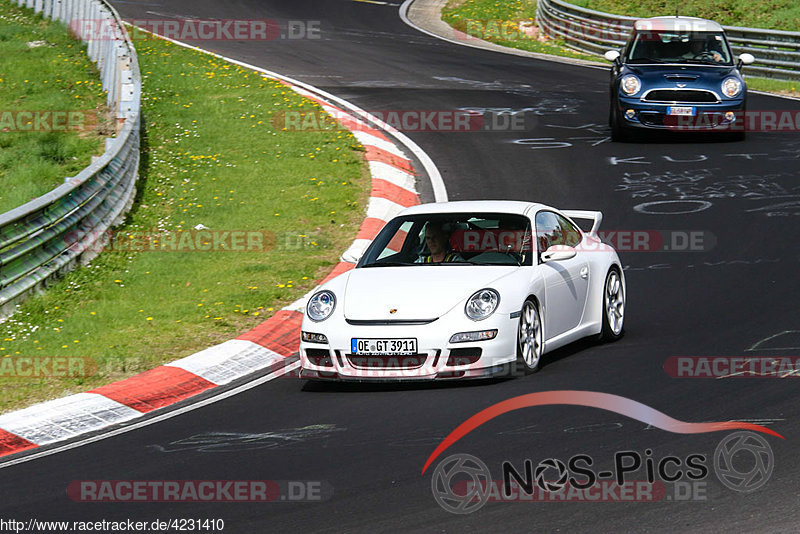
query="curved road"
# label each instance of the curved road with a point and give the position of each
(739, 290)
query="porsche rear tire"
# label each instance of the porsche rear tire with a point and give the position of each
(613, 306)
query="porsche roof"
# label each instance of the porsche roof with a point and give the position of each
(476, 206)
(677, 24)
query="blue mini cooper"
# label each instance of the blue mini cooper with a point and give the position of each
(677, 73)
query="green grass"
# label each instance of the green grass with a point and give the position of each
(769, 85)
(43, 69)
(498, 21)
(211, 157)
(504, 23)
(770, 14)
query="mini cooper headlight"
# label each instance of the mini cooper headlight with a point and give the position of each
(731, 87)
(321, 305)
(482, 304)
(630, 84)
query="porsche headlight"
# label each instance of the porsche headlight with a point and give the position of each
(482, 304)
(321, 305)
(731, 87)
(630, 84)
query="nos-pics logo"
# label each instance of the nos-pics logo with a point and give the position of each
(462, 483)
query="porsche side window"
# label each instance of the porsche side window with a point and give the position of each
(570, 234)
(547, 230)
(553, 229)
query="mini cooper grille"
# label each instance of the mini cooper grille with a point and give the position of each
(411, 361)
(680, 95)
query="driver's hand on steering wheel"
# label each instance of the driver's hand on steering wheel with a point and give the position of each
(710, 54)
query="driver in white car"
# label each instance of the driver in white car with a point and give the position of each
(438, 242)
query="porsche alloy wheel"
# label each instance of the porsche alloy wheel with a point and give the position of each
(529, 337)
(613, 306)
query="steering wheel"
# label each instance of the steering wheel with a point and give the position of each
(708, 54)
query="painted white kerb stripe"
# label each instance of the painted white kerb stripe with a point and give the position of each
(224, 363)
(66, 417)
(367, 139)
(157, 419)
(384, 171)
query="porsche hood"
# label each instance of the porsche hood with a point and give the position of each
(414, 293)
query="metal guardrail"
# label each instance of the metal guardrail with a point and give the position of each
(777, 52)
(51, 234)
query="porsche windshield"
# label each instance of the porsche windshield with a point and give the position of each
(679, 47)
(452, 239)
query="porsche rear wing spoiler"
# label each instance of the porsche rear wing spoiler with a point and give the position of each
(595, 216)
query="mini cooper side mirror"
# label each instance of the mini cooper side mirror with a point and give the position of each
(612, 55)
(558, 253)
(746, 59)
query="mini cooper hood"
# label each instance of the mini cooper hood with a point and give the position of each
(418, 292)
(670, 75)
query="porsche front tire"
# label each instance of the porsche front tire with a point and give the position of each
(530, 336)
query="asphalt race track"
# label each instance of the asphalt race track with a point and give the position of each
(369, 443)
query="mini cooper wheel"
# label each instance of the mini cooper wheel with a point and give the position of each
(530, 337)
(613, 307)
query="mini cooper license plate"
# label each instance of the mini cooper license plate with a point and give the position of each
(685, 111)
(383, 346)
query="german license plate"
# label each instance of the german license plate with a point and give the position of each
(684, 111)
(383, 346)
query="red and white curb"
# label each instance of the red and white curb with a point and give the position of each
(272, 344)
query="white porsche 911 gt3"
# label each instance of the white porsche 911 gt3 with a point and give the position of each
(464, 290)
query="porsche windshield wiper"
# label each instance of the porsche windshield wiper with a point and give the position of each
(644, 60)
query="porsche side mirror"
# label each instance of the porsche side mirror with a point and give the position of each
(558, 253)
(612, 55)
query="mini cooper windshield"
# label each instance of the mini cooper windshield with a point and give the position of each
(680, 47)
(452, 239)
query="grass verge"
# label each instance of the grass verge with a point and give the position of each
(509, 23)
(769, 14)
(45, 72)
(512, 24)
(211, 157)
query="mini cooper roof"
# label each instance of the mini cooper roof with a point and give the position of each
(677, 24)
